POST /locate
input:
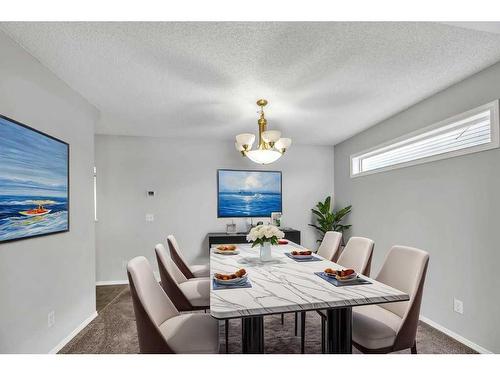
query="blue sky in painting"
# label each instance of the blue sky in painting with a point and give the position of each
(31, 164)
(258, 182)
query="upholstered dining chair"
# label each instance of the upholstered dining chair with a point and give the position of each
(189, 271)
(392, 326)
(357, 255)
(186, 294)
(330, 244)
(160, 326)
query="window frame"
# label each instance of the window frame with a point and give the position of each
(384, 147)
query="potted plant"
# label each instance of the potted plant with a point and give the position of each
(265, 236)
(329, 220)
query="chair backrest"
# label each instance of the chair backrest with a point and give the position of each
(357, 255)
(330, 245)
(405, 269)
(177, 257)
(171, 277)
(152, 306)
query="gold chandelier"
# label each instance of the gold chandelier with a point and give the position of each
(271, 145)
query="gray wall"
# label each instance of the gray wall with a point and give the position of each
(183, 174)
(449, 208)
(55, 272)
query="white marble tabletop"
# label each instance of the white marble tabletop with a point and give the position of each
(284, 285)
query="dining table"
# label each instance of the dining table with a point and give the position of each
(284, 285)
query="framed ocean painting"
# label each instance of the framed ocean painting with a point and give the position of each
(34, 182)
(242, 193)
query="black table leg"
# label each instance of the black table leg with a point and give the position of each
(323, 327)
(296, 319)
(226, 332)
(339, 330)
(302, 332)
(252, 334)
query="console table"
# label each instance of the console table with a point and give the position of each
(241, 237)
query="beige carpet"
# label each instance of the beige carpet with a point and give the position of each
(114, 331)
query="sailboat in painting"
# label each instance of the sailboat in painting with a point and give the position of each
(38, 211)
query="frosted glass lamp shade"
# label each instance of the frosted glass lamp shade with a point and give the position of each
(238, 146)
(245, 139)
(283, 143)
(271, 135)
(263, 156)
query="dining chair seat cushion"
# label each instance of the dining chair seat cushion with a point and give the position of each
(191, 333)
(200, 270)
(374, 327)
(197, 291)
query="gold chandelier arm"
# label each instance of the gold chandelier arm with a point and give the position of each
(262, 124)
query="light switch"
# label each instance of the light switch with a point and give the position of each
(150, 217)
(51, 319)
(458, 306)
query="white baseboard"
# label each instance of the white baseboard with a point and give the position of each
(122, 282)
(75, 332)
(455, 336)
(111, 282)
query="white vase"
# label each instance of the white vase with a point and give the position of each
(265, 252)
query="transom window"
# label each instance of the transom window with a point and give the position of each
(471, 131)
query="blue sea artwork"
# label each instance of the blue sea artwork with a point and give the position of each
(33, 182)
(248, 193)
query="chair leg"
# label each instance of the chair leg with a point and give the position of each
(323, 321)
(414, 348)
(282, 319)
(302, 332)
(226, 332)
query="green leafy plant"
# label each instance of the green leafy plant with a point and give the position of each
(327, 219)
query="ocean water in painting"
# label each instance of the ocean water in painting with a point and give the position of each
(33, 183)
(13, 224)
(249, 193)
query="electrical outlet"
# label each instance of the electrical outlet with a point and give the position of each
(150, 217)
(458, 306)
(51, 319)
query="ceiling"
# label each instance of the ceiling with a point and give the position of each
(324, 81)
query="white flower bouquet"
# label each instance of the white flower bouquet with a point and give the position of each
(261, 234)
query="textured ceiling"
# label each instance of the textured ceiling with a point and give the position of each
(325, 81)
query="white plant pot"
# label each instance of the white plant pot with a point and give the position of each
(265, 252)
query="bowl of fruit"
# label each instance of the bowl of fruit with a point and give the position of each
(301, 254)
(237, 277)
(341, 275)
